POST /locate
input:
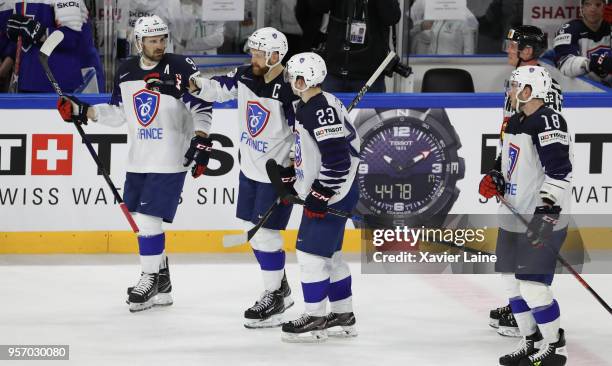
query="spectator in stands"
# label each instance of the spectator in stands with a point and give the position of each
(281, 14)
(354, 49)
(313, 24)
(236, 33)
(582, 46)
(42, 19)
(442, 37)
(501, 16)
(168, 10)
(199, 37)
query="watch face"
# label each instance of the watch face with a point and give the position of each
(405, 167)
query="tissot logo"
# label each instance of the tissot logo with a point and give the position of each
(51, 154)
(12, 154)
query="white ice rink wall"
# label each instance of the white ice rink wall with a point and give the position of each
(53, 201)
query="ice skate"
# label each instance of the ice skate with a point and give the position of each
(508, 327)
(341, 325)
(164, 288)
(306, 329)
(141, 297)
(496, 314)
(526, 347)
(550, 354)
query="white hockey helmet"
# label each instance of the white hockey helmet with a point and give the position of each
(307, 65)
(536, 77)
(149, 26)
(269, 40)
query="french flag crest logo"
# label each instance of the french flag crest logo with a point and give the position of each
(257, 118)
(513, 155)
(146, 106)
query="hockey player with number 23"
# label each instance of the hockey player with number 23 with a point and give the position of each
(326, 160)
(536, 169)
(150, 96)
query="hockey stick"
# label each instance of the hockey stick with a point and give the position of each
(371, 80)
(559, 258)
(277, 182)
(45, 51)
(237, 239)
(14, 84)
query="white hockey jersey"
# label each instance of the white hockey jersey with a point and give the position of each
(160, 126)
(536, 161)
(266, 117)
(326, 146)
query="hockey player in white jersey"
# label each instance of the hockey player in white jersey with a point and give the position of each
(326, 160)
(265, 107)
(536, 171)
(524, 45)
(164, 120)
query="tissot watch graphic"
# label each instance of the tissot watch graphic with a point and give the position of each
(409, 165)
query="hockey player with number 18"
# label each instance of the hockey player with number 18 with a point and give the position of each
(524, 45)
(150, 96)
(537, 171)
(326, 160)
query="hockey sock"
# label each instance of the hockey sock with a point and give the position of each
(523, 316)
(267, 246)
(151, 249)
(314, 271)
(521, 311)
(151, 242)
(340, 295)
(544, 308)
(272, 266)
(549, 321)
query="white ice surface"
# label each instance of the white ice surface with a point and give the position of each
(402, 319)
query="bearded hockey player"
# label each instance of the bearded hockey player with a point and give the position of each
(536, 170)
(265, 107)
(151, 96)
(326, 160)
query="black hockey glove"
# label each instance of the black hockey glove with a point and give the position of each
(163, 85)
(73, 110)
(492, 184)
(288, 178)
(601, 65)
(315, 206)
(199, 151)
(541, 225)
(30, 30)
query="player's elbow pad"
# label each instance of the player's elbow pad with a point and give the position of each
(575, 66)
(553, 189)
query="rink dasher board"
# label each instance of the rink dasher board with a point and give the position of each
(46, 202)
